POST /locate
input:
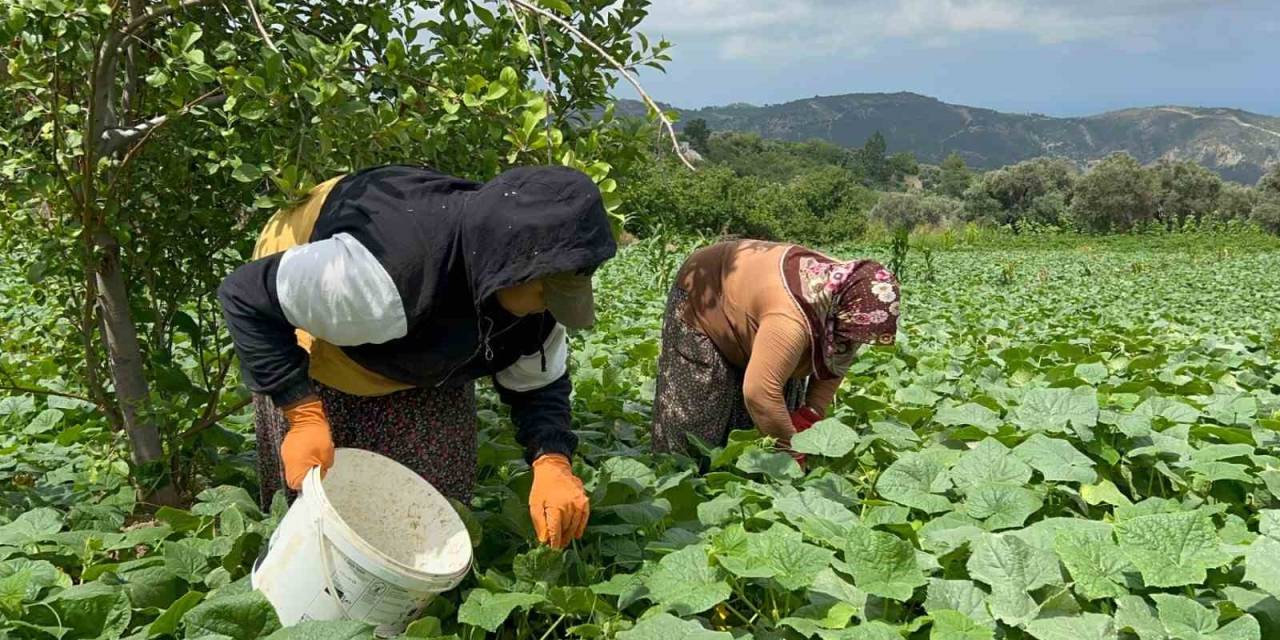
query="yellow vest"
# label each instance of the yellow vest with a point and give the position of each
(329, 365)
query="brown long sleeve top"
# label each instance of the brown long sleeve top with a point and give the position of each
(738, 299)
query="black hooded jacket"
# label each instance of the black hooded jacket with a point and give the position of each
(400, 272)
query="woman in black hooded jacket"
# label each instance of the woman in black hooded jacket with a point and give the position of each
(370, 310)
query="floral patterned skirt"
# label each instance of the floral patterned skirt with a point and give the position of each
(698, 391)
(432, 431)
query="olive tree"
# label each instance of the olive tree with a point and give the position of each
(1117, 194)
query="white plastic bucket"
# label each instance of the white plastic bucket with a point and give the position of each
(373, 541)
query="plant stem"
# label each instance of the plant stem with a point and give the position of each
(553, 627)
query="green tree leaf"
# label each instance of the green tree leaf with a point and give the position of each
(559, 6)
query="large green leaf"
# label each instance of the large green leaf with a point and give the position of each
(488, 610)
(186, 559)
(1171, 549)
(242, 616)
(969, 414)
(1002, 506)
(990, 462)
(328, 630)
(954, 625)
(958, 595)
(1056, 459)
(830, 583)
(37, 525)
(93, 610)
(817, 517)
(779, 553)
(665, 626)
(770, 464)
(1086, 626)
(1184, 618)
(883, 564)
(1053, 410)
(686, 583)
(167, 623)
(1095, 562)
(1263, 565)
(1003, 560)
(915, 480)
(830, 438)
(1143, 417)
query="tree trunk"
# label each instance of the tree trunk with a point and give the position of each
(125, 355)
(127, 371)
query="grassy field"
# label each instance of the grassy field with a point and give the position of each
(1074, 439)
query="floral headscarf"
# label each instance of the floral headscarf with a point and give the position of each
(845, 304)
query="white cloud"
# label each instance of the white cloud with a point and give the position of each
(794, 29)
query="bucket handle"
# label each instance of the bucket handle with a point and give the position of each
(326, 567)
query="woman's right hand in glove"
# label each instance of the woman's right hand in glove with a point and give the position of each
(308, 443)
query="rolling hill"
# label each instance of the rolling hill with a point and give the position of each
(1237, 144)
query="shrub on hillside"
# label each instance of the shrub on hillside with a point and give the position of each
(822, 205)
(911, 210)
(665, 195)
(1266, 214)
(1270, 183)
(1235, 202)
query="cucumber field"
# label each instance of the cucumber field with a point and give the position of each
(1074, 439)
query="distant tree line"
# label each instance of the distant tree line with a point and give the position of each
(818, 191)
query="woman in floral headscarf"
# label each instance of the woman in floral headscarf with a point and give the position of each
(761, 333)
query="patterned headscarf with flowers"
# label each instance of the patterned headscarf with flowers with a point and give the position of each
(845, 304)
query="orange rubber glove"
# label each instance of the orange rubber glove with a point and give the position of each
(558, 504)
(308, 443)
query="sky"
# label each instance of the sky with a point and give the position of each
(1056, 57)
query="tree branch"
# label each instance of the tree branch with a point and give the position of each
(537, 65)
(47, 392)
(196, 428)
(113, 140)
(253, 10)
(105, 69)
(666, 123)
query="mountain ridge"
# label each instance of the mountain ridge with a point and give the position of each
(1240, 145)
